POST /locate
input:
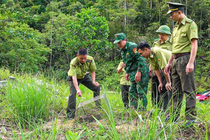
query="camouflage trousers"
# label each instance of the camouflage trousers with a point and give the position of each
(139, 90)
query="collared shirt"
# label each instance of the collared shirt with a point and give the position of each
(132, 59)
(159, 58)
(80, 70)
(123, 73)
(182, 35)
(165, 45)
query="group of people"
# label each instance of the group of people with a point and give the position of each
(172, 66)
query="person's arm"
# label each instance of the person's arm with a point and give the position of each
(168, 66)
(141, 63)
(93, 75)
(158, 74)
(168, 84)
(75, 82)
(121, 68)
(150, 70)
(190, 65)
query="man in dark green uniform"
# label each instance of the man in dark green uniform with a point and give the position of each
(184, 49)
(163, 97)
(125, 85)
(78, 74)
(136, 69)
(158, 59)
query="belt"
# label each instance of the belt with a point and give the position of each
(180, 54)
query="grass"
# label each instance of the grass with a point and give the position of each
(34, 108)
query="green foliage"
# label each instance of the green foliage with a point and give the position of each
(107, 75)
(88, 30)
(21, 46)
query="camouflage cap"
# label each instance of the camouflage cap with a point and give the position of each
(173, 6)
(164, 29)
(119, 37)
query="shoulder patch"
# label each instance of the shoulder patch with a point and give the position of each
(134, 50)
(189, 21)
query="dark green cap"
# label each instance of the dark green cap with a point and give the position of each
(173, 6)
(164, 29)
(119, 37)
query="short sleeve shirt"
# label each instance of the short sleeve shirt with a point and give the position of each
(159, 58)
(182, 35)
(123, 73)
(80, 70)
(165, 45)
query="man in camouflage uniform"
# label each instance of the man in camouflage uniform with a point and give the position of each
(184, 49)
(136, 68)
(78, 74)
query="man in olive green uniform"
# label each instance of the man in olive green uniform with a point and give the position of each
(78, 74)
(125, 85)
(163, 97)
(184, 49)
(158, 59)
(136, 68)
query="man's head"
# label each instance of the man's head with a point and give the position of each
(82, 55)
(144, 49)
(163, 32)
(121, 40)
(176, 10)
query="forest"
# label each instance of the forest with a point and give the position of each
(41, 37)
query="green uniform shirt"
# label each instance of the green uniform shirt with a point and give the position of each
(159, 58)
(132, 59)
(165, 45)
(182, 35)
(123, 73)
(80, 70)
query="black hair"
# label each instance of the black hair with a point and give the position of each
(82, 51)
(142, 45)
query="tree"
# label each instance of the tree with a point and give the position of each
(22, 48)
(88, 30)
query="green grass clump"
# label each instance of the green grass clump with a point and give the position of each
(29, 99)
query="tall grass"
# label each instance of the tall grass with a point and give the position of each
(32, 101)
(29, 99)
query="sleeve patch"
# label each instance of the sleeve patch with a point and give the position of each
(193, 29)
(134, 50)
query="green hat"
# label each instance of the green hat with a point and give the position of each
(173, 6)
(164, 29)
(119, 37)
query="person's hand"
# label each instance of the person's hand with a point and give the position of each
(160, 87)
(127, 77)
(168, 86)
(123, 65)
(96, 83)
(189, 68)
(167, 68)
(79, 93)
(150, 71)
(138, 76)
